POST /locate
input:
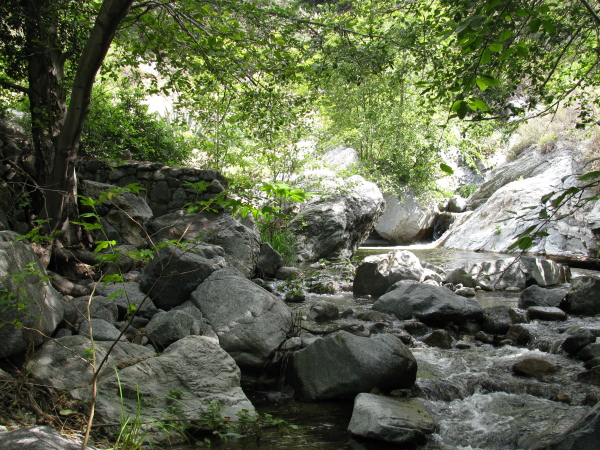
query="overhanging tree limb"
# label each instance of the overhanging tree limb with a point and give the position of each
(14, 87)
(592, 11)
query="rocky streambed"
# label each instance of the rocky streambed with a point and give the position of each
(504, 381)
(494, 352)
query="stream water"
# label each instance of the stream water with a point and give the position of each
(472, 394)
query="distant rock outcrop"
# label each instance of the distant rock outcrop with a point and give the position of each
(406, 220)
(510, 190)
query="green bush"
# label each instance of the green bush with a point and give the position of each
(119, 126)
(283, 241)
(467, 190)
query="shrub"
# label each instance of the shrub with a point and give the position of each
(119, 126)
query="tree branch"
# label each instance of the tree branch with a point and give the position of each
(14, 87)
(592, 11)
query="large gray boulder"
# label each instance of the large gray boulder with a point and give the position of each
(334, 227)
(518, 185)
(584, 295)
(100, 330)
(400, 421)
(406, 219)
(432, 305)
(239, 239)
(37, 438)
(129, 298)
(127, 213)
(535, 295)
(377, 273)
(509, 273)
(99, 308)
(174, 273)
(269, 261)
(168, 327)
(251, 323)
(180, 384)
(57, 361)
(344, 365)
(496, 319)
(30, 308)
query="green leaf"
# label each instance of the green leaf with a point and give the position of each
(112, 278)
(547, 197)
(462, 110)
(446, 168)
(104, 244)
(589, 175)
(477, 21)
(506, 35)
(481, 83)
(86, 201)
(478, 104)
(534, 25)
(523, 243)
(496, 47)
(549, 27)
(490, 81)
(507, 54)
(486, 56)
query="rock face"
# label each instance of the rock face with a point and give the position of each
(405, 220)
(189, 375)
(251, 323)
(55, 364)
(403, 422)
(126, 296)
(37, 438)
(584, 435)
(509, 273)
(377, 273)
(584, 295)
(168, 327)
(26, 299)
(239, 239)
(432, 305)
(514, 187)
(335, 227)
(344, 365)
(174, 273)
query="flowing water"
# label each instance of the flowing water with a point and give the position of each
(472, 394)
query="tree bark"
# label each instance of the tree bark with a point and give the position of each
(57, 130)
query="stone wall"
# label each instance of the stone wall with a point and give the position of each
(166, 187)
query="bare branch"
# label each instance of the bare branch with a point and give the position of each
(14, 87)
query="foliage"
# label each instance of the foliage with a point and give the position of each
(502, 57)
(281, 240)
(467, 190)
(119, 126)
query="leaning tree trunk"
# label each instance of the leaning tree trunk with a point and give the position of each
(57, 130)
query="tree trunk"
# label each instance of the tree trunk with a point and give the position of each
(57, 130)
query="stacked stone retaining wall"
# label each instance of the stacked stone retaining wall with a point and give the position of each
(166, 188)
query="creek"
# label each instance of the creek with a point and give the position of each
(472, 394)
